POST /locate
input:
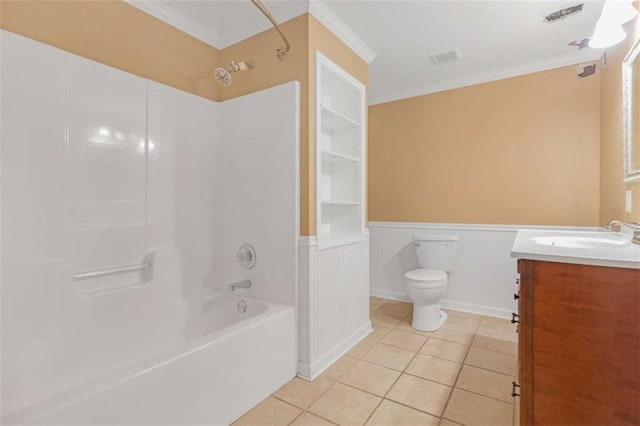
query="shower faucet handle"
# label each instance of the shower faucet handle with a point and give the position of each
(246, 256)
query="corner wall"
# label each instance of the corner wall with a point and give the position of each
(612, 187)
(306, 35)
(523, 150)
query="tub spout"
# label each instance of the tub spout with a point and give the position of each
(240, 284)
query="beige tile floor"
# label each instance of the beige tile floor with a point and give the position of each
(459, 375)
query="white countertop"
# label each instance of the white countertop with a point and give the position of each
(611, 249)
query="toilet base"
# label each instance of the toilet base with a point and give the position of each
(428, 317)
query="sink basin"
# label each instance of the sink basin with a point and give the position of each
(605, 242)
(598, 248)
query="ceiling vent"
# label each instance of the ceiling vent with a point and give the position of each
(445, 57)
(585, 70)
(561, 14)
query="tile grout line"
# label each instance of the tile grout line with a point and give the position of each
(455, 382)
(353, 387)
(297, 417)
(306, 410)
(486, 396)
(384, 397)
(431, 335)
(395, 327)
(403, 372)
(393, 384)
(321, 395)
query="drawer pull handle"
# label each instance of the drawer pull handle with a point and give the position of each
(514, 385)
(516, 296)
(513, 318)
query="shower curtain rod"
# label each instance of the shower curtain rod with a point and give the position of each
(280, 51)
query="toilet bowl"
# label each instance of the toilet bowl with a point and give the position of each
(425, 288)
(426, 285)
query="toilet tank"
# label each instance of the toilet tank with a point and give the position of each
(436, 251)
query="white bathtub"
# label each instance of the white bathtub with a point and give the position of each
(223, 363)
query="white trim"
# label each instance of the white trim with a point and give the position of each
(571, 59)
(476, 227)
(390, 295)
(307, 241)
(329, 19)
(447, 304)
(322, 61)
(311, 371)
(167, 14)
(284, 12)
(475, 309)
(312, 241)
(631, 175)
(257, 24)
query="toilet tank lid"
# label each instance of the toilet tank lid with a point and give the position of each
(429, 237)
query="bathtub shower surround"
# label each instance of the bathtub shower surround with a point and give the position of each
(106, 171)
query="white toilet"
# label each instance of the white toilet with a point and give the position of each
(427, 285)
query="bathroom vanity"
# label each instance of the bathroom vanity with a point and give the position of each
(579, 329)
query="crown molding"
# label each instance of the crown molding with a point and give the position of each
(563, 61)
(329, 19)
(283, 13)
(168, 15)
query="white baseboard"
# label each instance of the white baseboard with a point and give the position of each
(390, 295)
(475, 309)
(311, 371)
(447, 304)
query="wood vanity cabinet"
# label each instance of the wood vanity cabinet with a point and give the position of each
(578, 344)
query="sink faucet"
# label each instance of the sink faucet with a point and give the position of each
(635, 227)
(246, 283)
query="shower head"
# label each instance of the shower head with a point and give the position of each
(223, 75)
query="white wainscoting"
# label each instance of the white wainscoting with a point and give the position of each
(334, 303)
(483, 280)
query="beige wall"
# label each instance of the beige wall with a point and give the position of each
(612, 188)
(117, 34)
(524, 150)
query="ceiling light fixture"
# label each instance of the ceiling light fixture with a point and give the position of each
(607, 34)
(621, 11)
(609, 29)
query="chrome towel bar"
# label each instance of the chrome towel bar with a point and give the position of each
(111, 271)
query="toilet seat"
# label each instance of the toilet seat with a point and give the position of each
(426, 278)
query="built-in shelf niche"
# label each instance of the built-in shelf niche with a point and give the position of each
(340, 160)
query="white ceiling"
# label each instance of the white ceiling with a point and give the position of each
(220, 23)
(495, 39)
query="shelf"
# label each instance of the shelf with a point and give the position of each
(340, 203)
(340, 147)
(334, 157)
(333, 120)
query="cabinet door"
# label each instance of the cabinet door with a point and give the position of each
(586, 338)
